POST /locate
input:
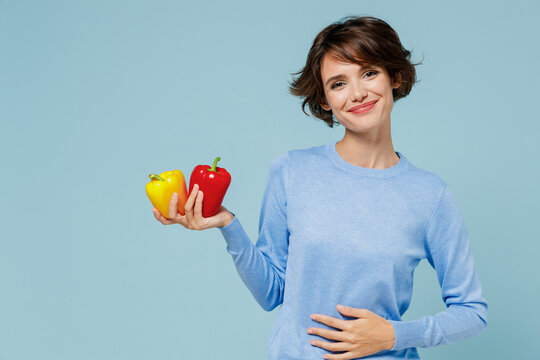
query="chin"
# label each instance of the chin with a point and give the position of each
(361, 124)
(359, 129)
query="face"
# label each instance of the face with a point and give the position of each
(347, 85)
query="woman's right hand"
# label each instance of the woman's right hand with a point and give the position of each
(193, 218)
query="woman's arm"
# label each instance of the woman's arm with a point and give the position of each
(449, 253)
(262, 266)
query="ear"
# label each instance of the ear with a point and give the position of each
(325, 107)
(397, 82)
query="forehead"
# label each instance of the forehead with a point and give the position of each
(332, 64)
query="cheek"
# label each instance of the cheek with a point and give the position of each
(339, 98)
(330, 101)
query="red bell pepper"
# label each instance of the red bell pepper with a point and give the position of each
(213, 182)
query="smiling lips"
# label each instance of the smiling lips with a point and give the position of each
(363, 108)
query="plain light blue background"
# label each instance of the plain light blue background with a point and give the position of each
(95, 95)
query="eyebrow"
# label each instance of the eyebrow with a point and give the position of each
(335, 77)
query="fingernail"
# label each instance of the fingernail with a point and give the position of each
(340, 307)
(200, 193)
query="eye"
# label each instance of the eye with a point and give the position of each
(372, 72)
(336, 84)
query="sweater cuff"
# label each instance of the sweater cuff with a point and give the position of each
(408, 334)
(234, 235)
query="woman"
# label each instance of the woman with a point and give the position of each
(346, 223)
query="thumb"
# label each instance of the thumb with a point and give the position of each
(354, 312)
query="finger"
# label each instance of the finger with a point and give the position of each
(188, 206)
(328, 334)
(332, 346)
(344, 356)
(354, 312)
(331, 321)
(181, 219)
(198, 207)
(173, 209)
(161, 218)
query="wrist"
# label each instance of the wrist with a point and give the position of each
(392, 341)
(229, 217)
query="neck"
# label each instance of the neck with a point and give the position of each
(373, 150)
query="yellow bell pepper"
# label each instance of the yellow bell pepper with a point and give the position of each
(161, 188)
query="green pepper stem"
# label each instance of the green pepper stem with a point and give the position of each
(214, 165)
(155, 177)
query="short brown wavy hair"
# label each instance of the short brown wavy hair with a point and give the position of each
(361, 40)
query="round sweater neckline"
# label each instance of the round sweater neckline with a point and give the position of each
(364, 171)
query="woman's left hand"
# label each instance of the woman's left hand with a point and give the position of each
(367, 335)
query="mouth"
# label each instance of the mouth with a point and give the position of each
(363, 107)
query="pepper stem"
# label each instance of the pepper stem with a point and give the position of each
(155, 177)
(214, 165)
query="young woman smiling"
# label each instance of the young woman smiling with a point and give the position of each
(337, 251)
(360, 97)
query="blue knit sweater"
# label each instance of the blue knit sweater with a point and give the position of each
(334, 233)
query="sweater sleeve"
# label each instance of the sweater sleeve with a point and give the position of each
(262, 266)
(449, 253)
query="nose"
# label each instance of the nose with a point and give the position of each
(359, 92)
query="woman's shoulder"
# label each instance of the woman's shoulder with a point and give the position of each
(299, 155)
(306, 154)
(423, 178)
